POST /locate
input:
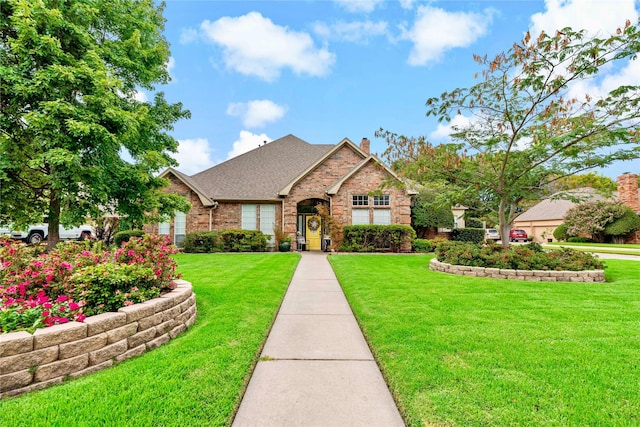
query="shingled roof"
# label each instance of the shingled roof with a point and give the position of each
(260, 173)
(555, 208)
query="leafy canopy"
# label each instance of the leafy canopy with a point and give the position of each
(526, 123)
(69, 75)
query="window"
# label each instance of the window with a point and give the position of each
(382, 216)
(268, 220)
(360, 200)
(359, 216)
(179, 227)
(164, 228)
(381, 200)
(249, 217)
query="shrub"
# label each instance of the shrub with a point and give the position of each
(125, 235)
(627, 223)
(560, 233)
(473, 223)
(77, 279)
(423, 245)
(372, 238)
(243, 241)
(524, 257)
(475, 235)
(203, 242)
(579, 239)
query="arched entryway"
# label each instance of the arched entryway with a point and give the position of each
(310, 227)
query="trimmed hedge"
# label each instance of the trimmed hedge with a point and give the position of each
(526, 257)
(474, 235)
(560, 233)
(375, 238)
(423, 245)
(225, 241)
(579, 239)
(125, 235)
(473, 223)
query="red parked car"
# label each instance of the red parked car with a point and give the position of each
(515, 235)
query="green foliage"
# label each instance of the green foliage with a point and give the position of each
(625, 224)
(109, 286)
(594, 180)
(225, 241)
(527, 127)
(474, 235)
(473, 223)
(423, 245)
(579, 239)
(591, 218)
(373, 238)
(126, 235)
(429, 209)
(525, 257)
(69, 75)
(203, 242)
(243, 241)
(560, 233)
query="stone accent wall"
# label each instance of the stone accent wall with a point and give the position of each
(528, 275)
(70, 350)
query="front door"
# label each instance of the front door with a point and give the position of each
(314, 229)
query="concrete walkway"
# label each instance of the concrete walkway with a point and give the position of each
(316, 368)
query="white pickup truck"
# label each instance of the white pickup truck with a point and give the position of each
(37, 233)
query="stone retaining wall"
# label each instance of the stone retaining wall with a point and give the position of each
(529, 275)
(51, 355)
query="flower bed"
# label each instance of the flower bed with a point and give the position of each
(72, 349)
(78, 280)
(528, 275)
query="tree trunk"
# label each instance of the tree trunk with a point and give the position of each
(504, 225)
(54, 221)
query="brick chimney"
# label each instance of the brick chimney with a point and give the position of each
(628, 190)
(365, 145)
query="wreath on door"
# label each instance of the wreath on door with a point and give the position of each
(313, 224)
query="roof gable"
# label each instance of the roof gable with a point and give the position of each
(556, 208)
(186, 180)
(336, 187)
(344, 143)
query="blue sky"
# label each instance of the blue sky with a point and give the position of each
(254, 71)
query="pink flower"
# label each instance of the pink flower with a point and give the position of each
(49, 278)
(131, 252)
(47, 305)
(73, 306)
(62, 298)
(81, 317)
(46, 313)
(127, 303)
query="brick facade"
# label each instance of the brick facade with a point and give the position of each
(311, 187)
(628, 194)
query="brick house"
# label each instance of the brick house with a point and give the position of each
(279, 184)
(547, 215)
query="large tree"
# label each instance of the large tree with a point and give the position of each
(70, 72)
(527, 121)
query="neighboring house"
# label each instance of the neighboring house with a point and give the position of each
(544, 217)
(279, 184)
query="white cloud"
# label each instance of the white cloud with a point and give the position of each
(171, 63)
(595, 16)
(256, 113)
(407, 4)
(247, 142)
(358, 6)
(254, 45)
(194, 155)
(188, 35)
(435, 31)
(443, 131)
(140, 96)
(354, 32)
(600, 19)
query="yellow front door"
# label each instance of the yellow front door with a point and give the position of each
(314, 231)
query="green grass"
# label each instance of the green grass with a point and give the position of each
(462, 351)
(600, 245)
(196, 379)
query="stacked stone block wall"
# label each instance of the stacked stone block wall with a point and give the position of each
(51, 355)
(528, 275)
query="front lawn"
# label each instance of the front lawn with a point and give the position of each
(473, 351)
(196, 379)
